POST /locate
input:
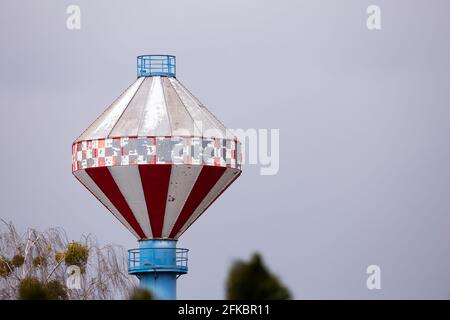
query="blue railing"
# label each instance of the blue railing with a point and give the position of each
(157, 260)
(156, 65)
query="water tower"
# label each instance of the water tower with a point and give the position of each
(156, 158)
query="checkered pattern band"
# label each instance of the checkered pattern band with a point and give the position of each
(156, 150)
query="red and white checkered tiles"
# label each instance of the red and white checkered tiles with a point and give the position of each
(156, 150)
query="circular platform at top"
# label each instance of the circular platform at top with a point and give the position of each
(151, 65)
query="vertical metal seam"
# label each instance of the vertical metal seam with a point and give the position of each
(187, 111)
(126, 200)
(202, 105)
(125, 109)
(206, 180)
(129, 228)
(145, 107)
(104, 111)
(180, 233)
(165, 106)
(185, 199)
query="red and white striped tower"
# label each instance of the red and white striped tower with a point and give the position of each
(156, 158)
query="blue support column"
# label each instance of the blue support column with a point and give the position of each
(158, 263)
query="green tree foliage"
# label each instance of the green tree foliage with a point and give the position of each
(56, 290)
(39, 261)
(141, 294)
(5, 267)
(33, 265)
(253, 280)
(59, 257)
(76, 254)
(18, 260)
(31, 288)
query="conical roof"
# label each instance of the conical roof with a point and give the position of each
(156, 106)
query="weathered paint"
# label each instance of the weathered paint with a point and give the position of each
(156, 158)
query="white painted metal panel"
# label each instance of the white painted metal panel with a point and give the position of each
(181, 121)
(102, 126)
(129, 182)
(228, 133)
(87, 181)
(182, 179)
(209, 115)
(155, 121)
(128, 123)
(201, 120)
(226, 178)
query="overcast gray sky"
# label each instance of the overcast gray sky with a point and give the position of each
(364, 131)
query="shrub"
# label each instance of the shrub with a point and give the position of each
(253, 281)
(59, 256)
(56, 290)
(5, 267)
(32, 289)
(18, 260)
(76, 254)
(39, 261)
(141, 294)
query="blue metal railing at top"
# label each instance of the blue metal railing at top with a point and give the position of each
(156, 65)
(158, 259)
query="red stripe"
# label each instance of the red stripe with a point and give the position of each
(207, 178)
(155, 183)
(220, 193)
(104, 180)
(96, 196)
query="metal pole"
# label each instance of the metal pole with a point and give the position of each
(158, 265)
